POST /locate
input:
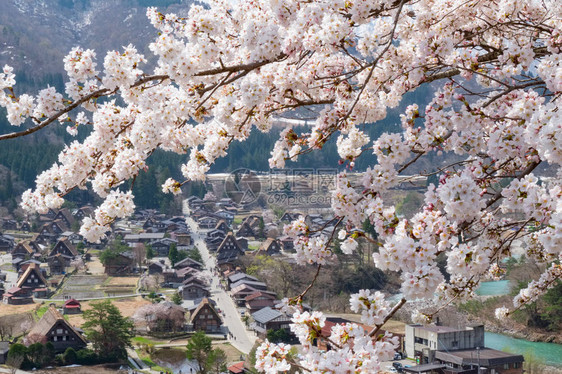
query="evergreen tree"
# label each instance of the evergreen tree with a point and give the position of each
(149, 251)
(173, 255)
(109, 332)
(199, 349)
(176, 298)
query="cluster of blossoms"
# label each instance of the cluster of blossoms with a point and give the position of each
(222, 72)
(372, 306)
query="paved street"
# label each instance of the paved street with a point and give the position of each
(11, 276)
(242, 339)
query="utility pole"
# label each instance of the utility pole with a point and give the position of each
(478, 357)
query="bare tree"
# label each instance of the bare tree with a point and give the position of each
(151, 282)
(14, 363)
(26, 326)
(139, 253)
(161, 317)
(6, 329)
(77, 263)
(34, 338)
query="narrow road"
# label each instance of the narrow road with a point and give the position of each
(242, 339)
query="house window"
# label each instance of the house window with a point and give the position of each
(55, 338)
(64, 338)
(454, 343)
(516, 365)
(506, 366)
(59, 331)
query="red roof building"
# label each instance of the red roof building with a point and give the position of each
(237, 368)
(71, 306)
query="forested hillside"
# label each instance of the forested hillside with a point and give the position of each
(27, 157)
(37, 59)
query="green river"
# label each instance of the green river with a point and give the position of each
(547, 353)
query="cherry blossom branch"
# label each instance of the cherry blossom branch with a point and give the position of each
(395, 309)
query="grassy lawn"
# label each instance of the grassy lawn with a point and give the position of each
(39, 312)
(147, 360)
(145, 340)
(237, 220)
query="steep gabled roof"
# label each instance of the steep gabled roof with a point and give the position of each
(267, 244)
(25, 246)
(31, 269)
(200, 307)
(229, 248)
(67, 215)
(65, 243)
(49, 320)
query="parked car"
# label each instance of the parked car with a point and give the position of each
(398, 366)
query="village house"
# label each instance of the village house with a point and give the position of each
(85, 211)
(123, 264)
(205, 317)
(233, 278)
(73, 237)
(242, 242)
(214, 242)
(71, 306)
(270, 247)
(287, 243)
(162, 246)
(269, 319)
(25, 226)
(184, 240)
(193, 291)
(221, 226)
(25, 249)
(239, 294)
(227, 216)
(215, 234)
(9, 224)
(66, 217)
(58, 264)
(246, 230)
(154, 225)
(194, 202)
(50, 231)
(30, 283)
(188, 263)
(55, 329)
(6, 242)
(157, 267)
(228, 251)
(174, 278)
(254, 284)
(145, 238)
(288, 217)
(207, 222)
(259, 300)
(237, 368)
(65, 248)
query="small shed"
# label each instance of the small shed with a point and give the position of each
(71, 306)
